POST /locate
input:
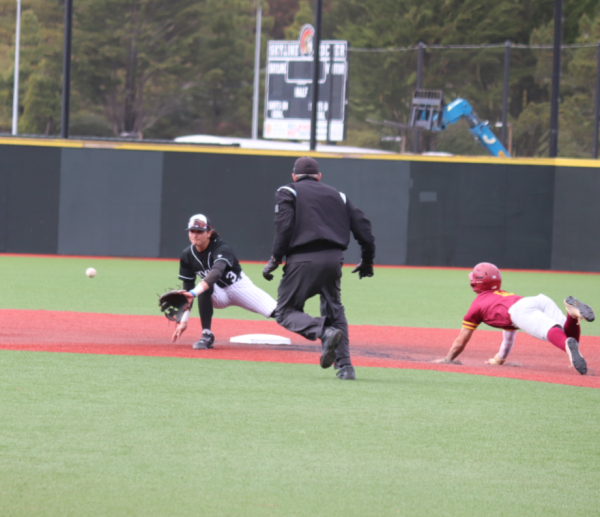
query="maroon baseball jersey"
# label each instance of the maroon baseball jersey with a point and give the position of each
(491, 307)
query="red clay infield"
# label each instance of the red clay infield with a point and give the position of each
(378, 346)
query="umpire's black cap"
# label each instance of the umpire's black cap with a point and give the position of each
(306, 165)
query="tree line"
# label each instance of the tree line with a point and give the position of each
(160, 69)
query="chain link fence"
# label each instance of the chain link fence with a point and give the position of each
(155, 93)
(476, 73)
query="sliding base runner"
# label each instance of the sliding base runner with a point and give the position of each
(538, 316)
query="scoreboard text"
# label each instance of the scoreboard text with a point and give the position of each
(288, 91)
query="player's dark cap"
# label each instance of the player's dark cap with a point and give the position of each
(306, 165)
(200, 223)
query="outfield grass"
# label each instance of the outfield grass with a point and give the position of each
(435, 298)
(93, 435)
(86, 435)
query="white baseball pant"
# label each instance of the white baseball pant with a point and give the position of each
(536, 315)
(244, 294)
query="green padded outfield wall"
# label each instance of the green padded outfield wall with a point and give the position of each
(465, 213)
(29, 199)
(237, 193)
(110, 202)
(576, 220)
(134, 199)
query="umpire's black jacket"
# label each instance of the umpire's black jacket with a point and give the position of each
(311, 216)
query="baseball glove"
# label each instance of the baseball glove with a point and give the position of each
(173, 304)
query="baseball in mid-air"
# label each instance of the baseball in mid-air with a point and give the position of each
(91, 272)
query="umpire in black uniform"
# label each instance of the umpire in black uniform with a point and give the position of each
(313, 223)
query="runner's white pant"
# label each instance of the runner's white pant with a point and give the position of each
(244, 294)
(536, 315)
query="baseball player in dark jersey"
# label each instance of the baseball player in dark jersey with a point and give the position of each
(222, 284)
(538, 316)
(313, 225)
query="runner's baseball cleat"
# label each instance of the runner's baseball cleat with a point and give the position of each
(331, 339)
(206, 341)
(577, 360)
(577, 309)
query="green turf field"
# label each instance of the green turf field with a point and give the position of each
(85, 435)
(92, 435)
(402, 297)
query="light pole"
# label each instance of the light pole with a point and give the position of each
(256, 70)
(555, 94)
(330, 78)
(66, 92)
(505, 91)
(15, 117)
(597, 103)
(420, 58)
(316, 70)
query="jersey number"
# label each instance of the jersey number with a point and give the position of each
(231, 276)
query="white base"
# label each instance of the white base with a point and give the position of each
(261, 339)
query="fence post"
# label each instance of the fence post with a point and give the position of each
(505, 91)
(420, 55)
(255, 99)
(555, 96)
(597, 104)
(66, 89)
(330, 103)
(316, 69)
(15, 112)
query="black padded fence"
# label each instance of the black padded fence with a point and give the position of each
(425, 212)
(462, 214)
(29, 199)
(576, 219)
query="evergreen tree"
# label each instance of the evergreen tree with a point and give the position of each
(134, 58)
(222, 97)
(576, 128)
(42, 104)
(304, 15)
(283, 13)
(169, 68)
(40, 59)
(382, 84)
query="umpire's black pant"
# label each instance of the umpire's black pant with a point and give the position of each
(304, 276)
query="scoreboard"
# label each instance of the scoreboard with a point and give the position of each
(288, 90)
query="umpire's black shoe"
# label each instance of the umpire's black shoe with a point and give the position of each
(577, 360)
(206, 341)
(331, 339)
(347, 373)
(577, 309)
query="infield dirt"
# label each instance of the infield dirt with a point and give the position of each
(374, 346)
